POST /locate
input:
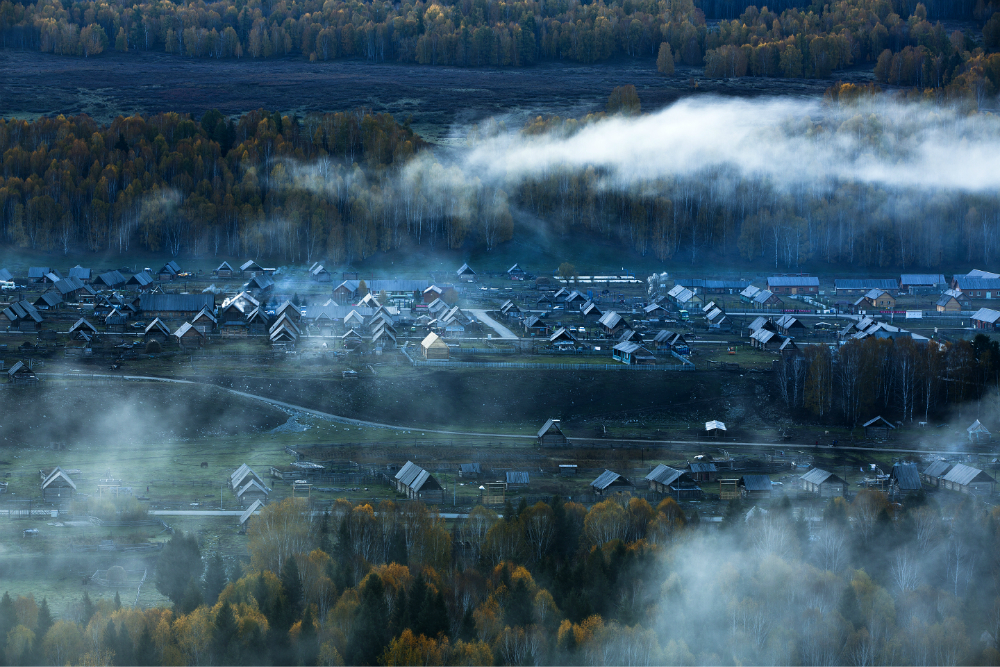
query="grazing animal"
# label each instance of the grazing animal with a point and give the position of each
(204, 464)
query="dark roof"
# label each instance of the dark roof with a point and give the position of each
(987, 315)
(702, 467)
(818, 476)
(665, 475)
(225, 266)
(38, 271)
(171, 267)
(517, 478)
(866, 283)
(967, 283)
(83, 324)
(937, 469)
(712, 284)
(250, 265)
(69, 285)
(6, 275)
(50, 299)
(260, 282)
(141, 279)
(190, 303)
(467, 468)
(756, 482)
(550, 425)
(906, 476)
(880, 418)
(929, 279)
(79, 272)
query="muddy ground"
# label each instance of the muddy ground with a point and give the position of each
(435, 97)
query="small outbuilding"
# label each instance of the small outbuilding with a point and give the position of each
(672, 482)
(609, 482)
(551, 435)
(904, 479)
(878, 428)
(824, 484)
(933, 473)
(434, 347)
(756, 486)
(518, 480)
(715, 427)
(418, 484)
(58, 488)
(966, 479)
(978, 433)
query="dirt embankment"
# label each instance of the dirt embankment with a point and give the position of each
(436, 97)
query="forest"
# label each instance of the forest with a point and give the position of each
(622, 583)
(897, 377)
(788, 39)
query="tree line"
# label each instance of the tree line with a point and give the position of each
(792, 39)
(555, 583)
(893, 377)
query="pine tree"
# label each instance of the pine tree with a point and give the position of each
(124, 649)
(145, 650)
(87, 610)
(308, 639)
(370, 633)
(292, 584)
(224, 642)
(215, 579)
(192, 598)
(399, 620)
(110, 640)
(8, 619)
(118, 601)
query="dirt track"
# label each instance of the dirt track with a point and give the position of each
(436, 97)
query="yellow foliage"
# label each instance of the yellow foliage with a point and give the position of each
(329, 656)
(395, 576)
(408, 649)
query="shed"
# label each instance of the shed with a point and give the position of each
(84, 326)
(715, 427)
(922, 283)
(187, 336)
(967, 479)
(756, 486)
(434, 347)
(249, 512)
(418, 484)
(465, 271)
(789, 325)
(703, 472)
(516, 273)
(986, 318)
(19, 373)
(224, 270)
(878, 428)
(251, 269)
(676, 483)
(632, 354)
(169, 271)
(567, 469)
(140, 281)
(951, 301)
(610, 482)
(824, 484)
(157, 330)
(793, 284)
(242, 475)
(58, 488)
(978, 433)
(517, 480)
(551, 435)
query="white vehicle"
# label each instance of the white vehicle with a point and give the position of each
(7, 285)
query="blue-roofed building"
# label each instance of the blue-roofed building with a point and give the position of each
(922, 283)
(860, 286)
(793, 284)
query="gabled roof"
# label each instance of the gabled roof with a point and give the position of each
(550, 425)
(818, 476)
(157, 325)
(963, 475)
(239, 477)
(354, 315)
(111, 278)
(880, 418)
(56, 475)
(750, 292)
(285, 321)
(906, 476)
(171, 267)
(253, 484)
(83, 324)
(465, 270)
(977, 427)
(225, 266)
(865, 283)
(260, 282)
(190, 303)
(967, 283)
(937, 469)
(469, 468)
(515, 269)
(610, 319)
(927, 279)
(664, 475)
(763, 336)
(562, 334)
(763, 296)
(205, 313)
(256, 505)
(987, 315)
(715, 424)
(6, 275)
(756, 482)
(250, 265)
(607, 478)
(17, 368)
(38, 271)
(433, 340)
(663, 336)
(185, 329)
(702, 467)
(283, 332)
(69, 285)
(258, 316)
(50, 299)
(142, 279)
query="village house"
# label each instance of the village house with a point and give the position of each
(82, 326)
(952, 301)
(204, 321)
(562, 338)
(762, 339)
(904, 479)
(140, 281)
(251, 269)
(80, 273)
(755, 487)
(978, 434)
(986, 318)
(612, 323)
(551, 435)
(516, 273)
(518, 480)
(252, 492)
(418, 484)
(767, 300)
(877, 299)
(224, 270)
(36, 274)
(319, 273)
(20, 373)
(434, 347)
(169, 271)
(187, 336)
(535, 326)
(465, 272)
(793, 284)
(469, 470)
(22, 316)
(710, 286)
(702, 471)
(609, 482)
(174, 306)
(747, 295)
(922, 283)
(824, 484)
(158, 331)
(762, 322)
(966, 479)
(878, 428)
(632, 354)
(48, 301)
(977, 288)
(671, 482)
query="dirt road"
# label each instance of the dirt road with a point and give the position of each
(493, 324)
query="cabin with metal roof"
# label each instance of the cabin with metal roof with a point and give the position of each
(140, 281)
(418, 484)
(465, 272)
(904, 479)
(788, 325)
(701, 471)
(224, 270)
(174, 306)
(516, 273)
(157, 330)
(535, 326)
(766, 300)
(169, 271)
(82, 325)
(793, 284)
(251, 269)
(434, 347)
(6, 276)
(244, 521)
(48, 301)
(609, 482)
(715, 427)
(261, 283)
(632, 354)
(469, 470)
(859, 286)
(563, 338)
(204, 321)
(755, 486)
(824, 484)
(952, 301)
(23, 316)
(933, 473)
(551, 435)
(20, 373)
(878, 428)
(966, 479)
(36, 274)
(252, 491)
(319, 273)
(986, 319)
(672, 482)
(612, 323)
(976, 287)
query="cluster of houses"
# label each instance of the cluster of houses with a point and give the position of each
(248, 487)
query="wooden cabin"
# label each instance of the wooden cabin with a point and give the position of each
(824, 484)
(58, 488)
(187, 336)
(609, 482)
(434, 347)
(550, 435)
(418, 484)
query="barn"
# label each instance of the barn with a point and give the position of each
(966, 479)
(550, 435)
(756, 486)
(824, 484)
(671, 482)
(187, 336)
(933, 473)
(58, 488)
(904, 478)
(418, 484)
(878, 428)
(175, 306)
(609, 482)
(252, 492)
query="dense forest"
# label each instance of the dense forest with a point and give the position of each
(622, 583)
(343, 186)
(898, 378)
(789, 39)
